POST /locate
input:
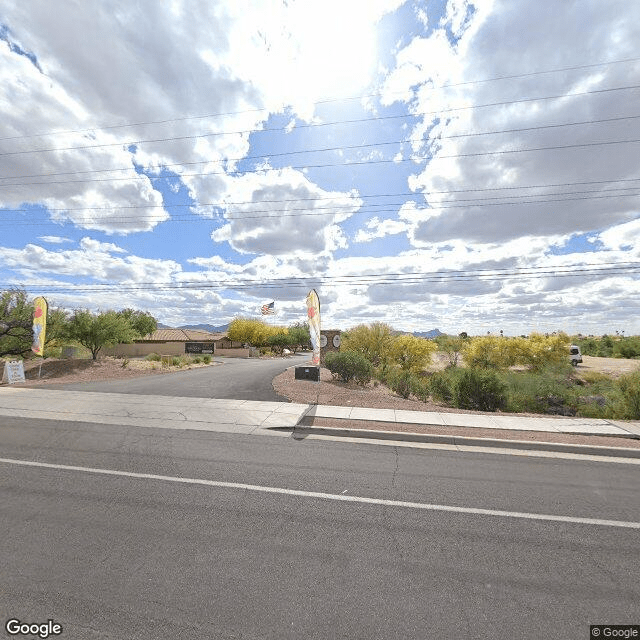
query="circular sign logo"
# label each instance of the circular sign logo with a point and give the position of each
(336, 340)
(323, 340)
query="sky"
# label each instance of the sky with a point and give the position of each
(470, 166)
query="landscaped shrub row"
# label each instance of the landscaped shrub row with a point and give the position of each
(180, 361)
(555, 390)
(348, 365)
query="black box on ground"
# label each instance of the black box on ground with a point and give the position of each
(308, 373)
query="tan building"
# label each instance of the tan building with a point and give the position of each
(177, 342)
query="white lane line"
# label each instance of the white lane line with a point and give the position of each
(328, 496)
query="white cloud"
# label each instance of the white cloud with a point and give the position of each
(281, 212)
(376, 228)
(54, 239)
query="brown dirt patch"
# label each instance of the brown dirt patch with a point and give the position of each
(613, 367)
(63, 371)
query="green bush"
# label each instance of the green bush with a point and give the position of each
(154, 357)
(197, 360)
(627, 348)
(401, 382)
(420, 388)
(479, 389)
(206, 358)
(440, 386)
(629, 387)
(549, 390)
(348, 365)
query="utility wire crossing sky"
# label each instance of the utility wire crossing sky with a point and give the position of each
(471, 166)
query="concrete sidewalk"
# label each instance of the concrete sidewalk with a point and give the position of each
(573, 426)
(247, 416)
(160, 412)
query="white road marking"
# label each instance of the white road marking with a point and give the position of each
(328, 496)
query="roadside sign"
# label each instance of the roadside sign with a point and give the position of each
(14, 371)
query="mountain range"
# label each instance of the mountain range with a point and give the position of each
(434, 333)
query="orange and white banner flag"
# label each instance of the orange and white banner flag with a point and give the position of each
(313, 313)
(39, 325)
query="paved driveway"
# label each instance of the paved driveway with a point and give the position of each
(235, 378)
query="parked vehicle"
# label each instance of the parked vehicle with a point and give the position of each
(575, 355)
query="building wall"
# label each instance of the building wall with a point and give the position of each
(137, 349)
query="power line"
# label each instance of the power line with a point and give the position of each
(319, 211)
(322, 124)
(322, 149)
(355, 163)
(226, 204)
(356, 280)
(330, 100)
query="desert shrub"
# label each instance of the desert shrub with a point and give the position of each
(440, 386)
(197, 360)
(478, 389)
(125, 363)
(206, 358)
(177, 362)
(629, 387)
(627, 348)
(154, 357)
(420, 388)
(411, 353)
(381, 373)
(348, 365)
(401, 382)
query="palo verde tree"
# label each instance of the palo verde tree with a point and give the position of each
(412, 353)
(16, 323)
(373, 341)
(253, 332)
(107, 328)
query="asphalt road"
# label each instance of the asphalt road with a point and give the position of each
(128, 557)
(235, 378)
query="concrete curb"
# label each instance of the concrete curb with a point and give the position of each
(429, 438)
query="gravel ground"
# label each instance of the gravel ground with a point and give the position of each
(60, 371)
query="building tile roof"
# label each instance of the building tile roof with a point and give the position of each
(182, 335)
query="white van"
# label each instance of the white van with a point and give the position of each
(575, 355)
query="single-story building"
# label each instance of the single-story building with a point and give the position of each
(177, 342)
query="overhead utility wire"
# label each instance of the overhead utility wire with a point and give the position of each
(327, 281)
(632, 264)
(324, 211)
(322, 124)
(322, 149)
(326, 101)
(355, 163)
(226, 204)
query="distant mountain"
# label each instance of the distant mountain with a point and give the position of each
(206, 327)
(434, 333)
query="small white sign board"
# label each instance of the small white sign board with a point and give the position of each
(14, 371)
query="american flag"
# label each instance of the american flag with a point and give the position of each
(267, 309)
